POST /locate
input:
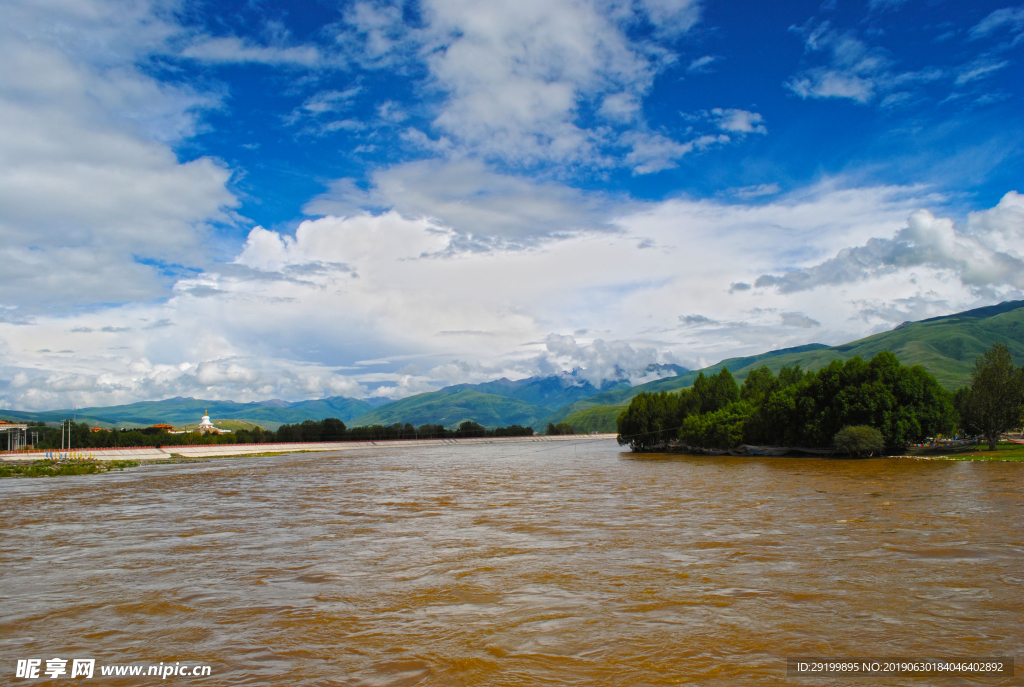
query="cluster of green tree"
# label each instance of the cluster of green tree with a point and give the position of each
(562, 428)
(994, 401)
(83, 437)
(335, 430)
(794, 408)
(330, 429)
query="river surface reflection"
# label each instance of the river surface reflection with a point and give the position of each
(514, 564)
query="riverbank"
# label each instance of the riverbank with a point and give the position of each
(1005, 451)
(164, 453)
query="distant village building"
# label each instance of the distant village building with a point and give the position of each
(17, 435)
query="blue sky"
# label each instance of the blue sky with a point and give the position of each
(930, 100)
(259, 199)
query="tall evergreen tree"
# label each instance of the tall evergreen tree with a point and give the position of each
(994, 402)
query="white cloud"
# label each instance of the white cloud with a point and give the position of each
(475, 202)
(330, 101)
(292, 316)
(218, 372)
(853, 70)
(601, 360)
(672, 17)
(758, 191)
(319, 111)
(514, 74)
(234, 50)
(620, 107)
(652, 152)
(511, 78)
(739, 121)
(986, 256)
(979, 69)
(91, 193)
(798, 319)
(1011, 18)
(702, 65)
(696, 320)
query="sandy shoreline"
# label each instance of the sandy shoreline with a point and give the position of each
(229, 450)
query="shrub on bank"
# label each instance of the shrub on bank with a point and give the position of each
(859, 440)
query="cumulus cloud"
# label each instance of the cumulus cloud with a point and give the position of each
(93, 199)
(472, 200)
(511, 78)
(514, 74)
(294, 314)
(984, 254)
(334, 241)
(216, 373)
(601, 360)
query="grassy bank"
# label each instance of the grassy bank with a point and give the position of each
(1004, 451)
(53, 468)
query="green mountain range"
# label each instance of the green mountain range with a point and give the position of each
(452, 408)
(946, 346)
(188, 411)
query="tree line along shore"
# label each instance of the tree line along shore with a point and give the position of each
(855, 407)
(309, 431)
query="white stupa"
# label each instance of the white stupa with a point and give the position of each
(205, 426)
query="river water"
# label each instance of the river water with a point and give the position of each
(514, 564)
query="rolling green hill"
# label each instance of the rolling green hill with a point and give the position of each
(184, 411)
(621, 396)
(556, 391)
(450, 409)
(596, 419)
(551, 392)
(945, 346)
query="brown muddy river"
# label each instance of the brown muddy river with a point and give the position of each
(515, 564)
